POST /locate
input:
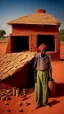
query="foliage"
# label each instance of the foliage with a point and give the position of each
(2, 33)
(5, 38)
(62, 35)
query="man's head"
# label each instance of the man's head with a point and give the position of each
(43, 50)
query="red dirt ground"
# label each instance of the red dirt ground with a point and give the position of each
(3, 45)
(57, 102)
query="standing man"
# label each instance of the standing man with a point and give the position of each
(43, 72)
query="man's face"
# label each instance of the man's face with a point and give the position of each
(43, 52)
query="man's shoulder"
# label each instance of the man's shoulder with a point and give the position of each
(38, 55)
(48, 56)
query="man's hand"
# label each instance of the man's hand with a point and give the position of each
(35, 80)
(50, 75)
(35, 75)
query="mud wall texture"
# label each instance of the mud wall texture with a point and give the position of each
(32, 32)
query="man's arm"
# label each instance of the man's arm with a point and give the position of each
(35, 71)
(50, 74)
(35, 63)
(50, 68)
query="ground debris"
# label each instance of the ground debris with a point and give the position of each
(8, 110)
(26, 103)
(6, 103)
(5, 94)
(20, 104)
(8, 98)
(21, 110)
(3, 98)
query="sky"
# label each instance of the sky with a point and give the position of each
(12, 9)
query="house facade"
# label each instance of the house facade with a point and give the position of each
(29, 32)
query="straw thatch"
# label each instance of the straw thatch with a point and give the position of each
(36, 19)
(10, 63)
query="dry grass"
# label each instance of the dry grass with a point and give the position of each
(36, 18)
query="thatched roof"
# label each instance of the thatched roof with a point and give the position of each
(10, 63)
(38, 18)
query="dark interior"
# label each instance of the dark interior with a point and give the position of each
(21, 43)
(49, 40)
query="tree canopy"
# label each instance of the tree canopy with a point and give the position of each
(2, 33)
(62, 34)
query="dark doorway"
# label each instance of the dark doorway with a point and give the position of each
(49, 40)
(21, 43)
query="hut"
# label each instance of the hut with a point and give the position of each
(32, 30)
(28, 33)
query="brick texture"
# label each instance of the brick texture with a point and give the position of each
(32, 31)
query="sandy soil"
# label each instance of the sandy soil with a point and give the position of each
(3, 45)
(62, 51)
(57, 102)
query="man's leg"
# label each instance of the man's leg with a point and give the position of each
(38, 90)
(44, 87)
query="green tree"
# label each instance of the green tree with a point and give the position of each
(62, 35)
(2, 33)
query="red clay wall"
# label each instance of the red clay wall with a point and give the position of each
(21, 79)
(32, 31)
(10, 45)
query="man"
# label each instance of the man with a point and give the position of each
(43, 72)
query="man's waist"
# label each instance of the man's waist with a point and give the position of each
(42, 68)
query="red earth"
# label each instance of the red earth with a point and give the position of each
(3, 45)
(57, 102)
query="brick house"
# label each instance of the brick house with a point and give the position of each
(32, 30)
(28, 33)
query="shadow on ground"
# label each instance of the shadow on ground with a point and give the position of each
(59, 89)
(54, 102)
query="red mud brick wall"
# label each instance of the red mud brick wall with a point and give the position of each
(32, 31)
